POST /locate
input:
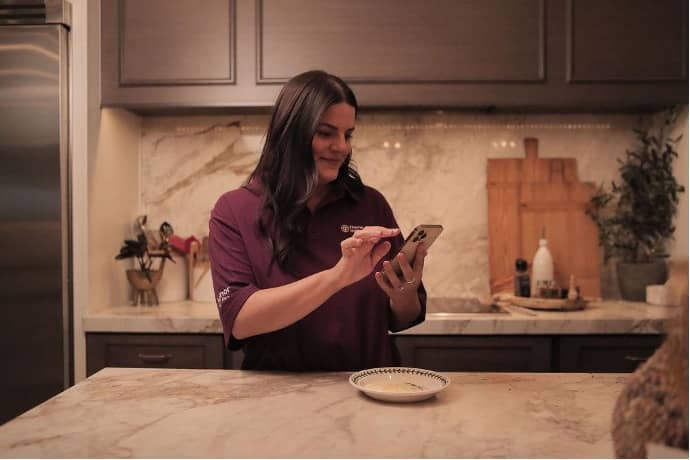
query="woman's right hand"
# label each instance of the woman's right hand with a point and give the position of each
(361, 252)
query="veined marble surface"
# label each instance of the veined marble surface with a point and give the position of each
(173, 413)
(430, 165)
(606, 317)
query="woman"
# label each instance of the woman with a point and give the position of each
(292, 252)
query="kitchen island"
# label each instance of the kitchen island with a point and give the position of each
(125, 413)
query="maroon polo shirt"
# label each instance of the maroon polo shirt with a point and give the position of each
(347, 332)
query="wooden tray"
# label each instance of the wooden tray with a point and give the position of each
(545, 304)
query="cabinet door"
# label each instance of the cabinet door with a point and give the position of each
(476, 353)
(624, 53)
(407, 52)
(605, 353)
(162, 53)
(173, 351)
(629, 41)
(394, 41)
(175, 43)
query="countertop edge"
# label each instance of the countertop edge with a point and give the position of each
(202, 318)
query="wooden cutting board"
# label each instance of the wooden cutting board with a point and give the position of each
(531, 194)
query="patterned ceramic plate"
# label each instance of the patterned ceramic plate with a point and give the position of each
(399, 384)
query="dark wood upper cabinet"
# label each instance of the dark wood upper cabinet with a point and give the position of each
(507, 54)
(627, 41)
(168, 53)
(163, 42)
(389, 41)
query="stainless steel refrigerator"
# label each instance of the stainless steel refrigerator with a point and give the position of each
(35, 287)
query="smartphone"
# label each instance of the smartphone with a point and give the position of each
(424, 233)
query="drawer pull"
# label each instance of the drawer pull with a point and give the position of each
(154, 358)
(635, 358)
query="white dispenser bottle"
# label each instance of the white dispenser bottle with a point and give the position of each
(542, 266)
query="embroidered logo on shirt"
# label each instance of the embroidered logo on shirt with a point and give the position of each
(345, 228)
(222, 296)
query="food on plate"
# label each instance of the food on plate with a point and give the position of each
(394, 387)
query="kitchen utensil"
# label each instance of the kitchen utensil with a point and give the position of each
(166, 230)
(181, 245)
(199, 276)
(399, 384)
(140, 224)
(526, 195)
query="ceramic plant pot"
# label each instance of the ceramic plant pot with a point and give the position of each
(143, 288)
(633, 278)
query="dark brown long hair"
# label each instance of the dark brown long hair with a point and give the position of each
(286, 169)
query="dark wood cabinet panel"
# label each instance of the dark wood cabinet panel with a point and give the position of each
(634, 41)
(605, 353)
(175, 351)
(161, 53)
(451, 353)
(476, 353)
(233, 359)
(529, 55)
(176, 43)
(392, 41)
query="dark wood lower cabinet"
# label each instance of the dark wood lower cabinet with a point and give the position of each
(174, 351)
(233, 359)
(605, 353)
(455, 353)
(577, 353)
(450, 353)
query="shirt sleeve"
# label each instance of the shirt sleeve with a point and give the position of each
(396, 244)
(233, 278)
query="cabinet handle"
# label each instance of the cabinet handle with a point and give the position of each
(154, 358)
(635, 358)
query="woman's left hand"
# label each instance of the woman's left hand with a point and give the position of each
(402, 288)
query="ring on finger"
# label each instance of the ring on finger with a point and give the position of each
(412, 281)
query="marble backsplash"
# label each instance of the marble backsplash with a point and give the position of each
(430, 165)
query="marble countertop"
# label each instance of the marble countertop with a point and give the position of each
(173, 413)
(605, 317)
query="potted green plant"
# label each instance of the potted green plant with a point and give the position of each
(635, 217)
(145, 249)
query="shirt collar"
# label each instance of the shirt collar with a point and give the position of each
(340, 190)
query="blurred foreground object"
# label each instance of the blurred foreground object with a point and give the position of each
(653, 406)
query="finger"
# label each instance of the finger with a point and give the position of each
(407, 271)
(419, 257)
(376, 232)
(420, 253)
(350, 243)
(383, 283)
(379, 251)
(393, 278)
